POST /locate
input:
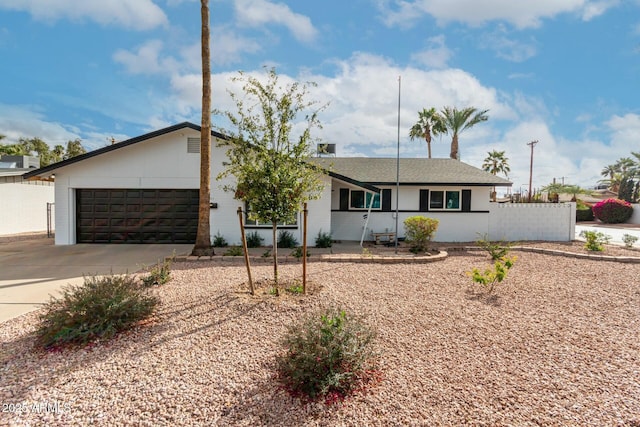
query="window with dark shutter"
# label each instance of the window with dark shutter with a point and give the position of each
(344, 199)
(466, 200)
(386, 200)
(424, 200)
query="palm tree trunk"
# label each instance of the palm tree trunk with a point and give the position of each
(203, 238)
(427, 138)
(454, 147)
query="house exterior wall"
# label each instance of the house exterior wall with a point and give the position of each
(24, 208)
(635, 216)
(533, 221)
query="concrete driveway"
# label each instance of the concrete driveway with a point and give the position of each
(33, 270)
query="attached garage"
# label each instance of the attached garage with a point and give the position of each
(136, 215)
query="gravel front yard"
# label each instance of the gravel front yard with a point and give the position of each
(559, 344)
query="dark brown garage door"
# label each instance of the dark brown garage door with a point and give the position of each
(136, 216)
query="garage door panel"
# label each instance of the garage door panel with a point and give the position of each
(136, 215)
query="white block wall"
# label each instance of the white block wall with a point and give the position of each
(635, 216)
(24, 207)
(532, 221)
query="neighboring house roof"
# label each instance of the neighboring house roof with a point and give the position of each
(414, 171)
(47, 170)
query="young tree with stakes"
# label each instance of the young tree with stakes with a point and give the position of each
(269, 164)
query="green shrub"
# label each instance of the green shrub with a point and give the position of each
(583, 212)
(234, 251)
(159, 274)
(629, 240)
(286, 240)
(612, 211)
(219, 241)
(327, 353)
(323, 240)
(595, 240)
(419, 232)
(297, 252)
(496, 250)
(295, 289)
(491, 276)
(254, 240)
(99, 308)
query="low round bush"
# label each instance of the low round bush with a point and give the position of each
(612, 211)
(419, 232)
(329, 353)
(99, 308)
(583, 212)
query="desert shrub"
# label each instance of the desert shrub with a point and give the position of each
(219, 241)
(629, 240)
(612, 211)
(254, 240)
(323, 240)
(419, 231)
(159, 274)
(496, 250)
(491, 276)
(583, 212)
(287, 240)
(327, 353)
(233, 251)
(99, 308)
(595, 240)
(297, 252)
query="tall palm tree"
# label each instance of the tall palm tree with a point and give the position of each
(203, 237)
(429, 124)
(457, 121)
(496, 162)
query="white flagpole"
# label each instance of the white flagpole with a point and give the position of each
(398, 165)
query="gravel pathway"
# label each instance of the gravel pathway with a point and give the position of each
(557, 344)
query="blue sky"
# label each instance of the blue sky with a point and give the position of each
(563, 72)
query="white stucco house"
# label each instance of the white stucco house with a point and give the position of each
(145, 190)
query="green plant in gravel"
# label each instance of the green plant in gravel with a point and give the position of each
(159, 274)
(99, 308)
(287, 240)
(297, 252)
(629, 240)
(219, 241)
(419, 231)
(493, 275)
(254, 240)
(327, 354)
(295, 288)
(233, 251)
(595, 240)
(323, 240)
(496, 250)
(266, 254)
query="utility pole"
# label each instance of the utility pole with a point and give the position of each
(531, 144)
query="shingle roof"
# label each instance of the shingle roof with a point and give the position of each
(382, 171)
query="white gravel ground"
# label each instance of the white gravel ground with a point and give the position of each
(558, 344)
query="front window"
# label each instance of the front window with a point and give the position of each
(361, 200)
(444, 200)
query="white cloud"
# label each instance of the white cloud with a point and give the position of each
(256, 13)
(227, 46)
(436, 55)
(146, 60)
(507, 47)
(136, 15)
(475, 13)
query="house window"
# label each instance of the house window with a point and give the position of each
(361, 200)
(256, 223)
(444, 200)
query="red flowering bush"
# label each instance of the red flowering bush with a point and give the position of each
(612, 211)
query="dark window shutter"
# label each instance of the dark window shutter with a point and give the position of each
(386, 200)
(344, 199)
(424, 200)
(466, 200)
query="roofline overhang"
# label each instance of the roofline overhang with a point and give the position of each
(458, 184)
(364, 185)
(52, 167)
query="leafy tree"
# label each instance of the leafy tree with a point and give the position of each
(37, 147)
(57, 154)
(270, 167)
(74, 148)
(203, 233)
(457, 121)
(429, 124)
(574, 190)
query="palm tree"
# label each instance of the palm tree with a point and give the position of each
(457, 121)
(429, 124)
(495, 163)
(203, 237)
